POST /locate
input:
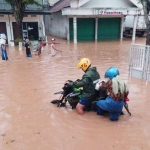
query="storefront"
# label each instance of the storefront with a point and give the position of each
(108, 29)
(32, 27)
(90, 20)
(105, 24)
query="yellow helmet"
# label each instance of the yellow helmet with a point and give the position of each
(84, 64)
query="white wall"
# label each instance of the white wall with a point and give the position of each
(56, 25)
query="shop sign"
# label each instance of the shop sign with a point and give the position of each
(112, 12)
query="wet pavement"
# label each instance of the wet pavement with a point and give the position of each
(28, 121)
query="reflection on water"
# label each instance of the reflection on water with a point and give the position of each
(28, 121)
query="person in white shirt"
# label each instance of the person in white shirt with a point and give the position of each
(53, 47)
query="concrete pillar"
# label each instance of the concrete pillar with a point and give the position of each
(43, 27)
(10, 31)
(121, 28)
(75, 29)
(96, 28)
(134, 28)
(68, 32)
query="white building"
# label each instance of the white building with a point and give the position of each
(90, 20)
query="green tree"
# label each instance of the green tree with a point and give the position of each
(18, 9)
(146, 8)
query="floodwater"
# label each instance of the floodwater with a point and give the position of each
(28, 121)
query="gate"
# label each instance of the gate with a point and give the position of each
(139, 65)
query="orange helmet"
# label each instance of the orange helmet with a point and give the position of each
(84, 64)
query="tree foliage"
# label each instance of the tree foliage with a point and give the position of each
(18, 9)
(146, 9)
(147, 2)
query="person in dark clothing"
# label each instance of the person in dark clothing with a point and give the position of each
(88, 82)
(28, 52)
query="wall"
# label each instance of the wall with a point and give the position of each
(57, 25)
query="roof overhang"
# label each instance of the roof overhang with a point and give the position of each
(101, 12)
(28, 12)
(137, 3)
(59, 5)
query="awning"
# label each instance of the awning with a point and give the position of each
(59, 5)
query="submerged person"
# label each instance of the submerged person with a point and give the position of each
(88, 82)
(28, 51)
(117, 93)
(41, 47)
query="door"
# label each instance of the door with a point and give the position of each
(32, 28)
(29, 30)
(85, 29)
(109, 28)
(71, 29)
(3, 29)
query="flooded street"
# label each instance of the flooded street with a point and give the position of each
(28, 121)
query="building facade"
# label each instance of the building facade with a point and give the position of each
(89, 20)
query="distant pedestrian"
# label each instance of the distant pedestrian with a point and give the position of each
(4, 52)
(53, 47)
(28, 52)
(3, 49)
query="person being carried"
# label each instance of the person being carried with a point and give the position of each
(53, 47)
(88, 82)
(117, 94)
(28, 52)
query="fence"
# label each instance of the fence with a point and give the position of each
(139, 65)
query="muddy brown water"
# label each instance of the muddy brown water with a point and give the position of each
(28, 121)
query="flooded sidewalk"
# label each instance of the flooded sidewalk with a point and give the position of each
(28, 121)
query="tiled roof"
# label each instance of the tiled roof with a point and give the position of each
(59, 5)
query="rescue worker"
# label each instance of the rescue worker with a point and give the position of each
(117, 93)
(88, 82)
